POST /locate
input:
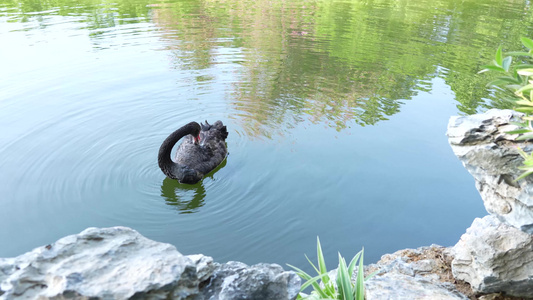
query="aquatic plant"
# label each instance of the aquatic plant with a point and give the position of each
(519, 80)
(341, 288)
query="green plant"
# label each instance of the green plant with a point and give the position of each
(343, 287)
(519, 80)
(528, 164)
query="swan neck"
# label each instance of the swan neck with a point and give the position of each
(166, 164)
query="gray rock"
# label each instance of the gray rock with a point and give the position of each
(119, 263)
(495, 257)
(412, 274)
(235, 281)
(490, 155)
(397, 286)
(107, 263)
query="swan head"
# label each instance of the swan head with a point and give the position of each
(194, 129)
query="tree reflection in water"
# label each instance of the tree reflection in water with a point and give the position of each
(331, 62)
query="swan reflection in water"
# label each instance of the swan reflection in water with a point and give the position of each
(187, 198)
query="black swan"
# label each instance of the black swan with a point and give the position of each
(203, 149)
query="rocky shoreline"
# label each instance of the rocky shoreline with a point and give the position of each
(120, 263)
(492, 260)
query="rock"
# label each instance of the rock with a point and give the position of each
(496, 253)
(105, 263)
(400, 286)
(491, 156)
(119, 263)
(422, 273)
(495, 257)
(235, 280)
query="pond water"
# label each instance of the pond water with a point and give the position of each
(336, 111)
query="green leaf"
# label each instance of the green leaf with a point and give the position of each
(524, 102)
(525, 72)
(496, 83)
(519, 78)
(360, 281)
(498, 59)
(312, 281)
(491, 68)
(503, 80)
(372, 274)
(507, 63)
(514, 86)
(525, 137)
(524, 175)
(311, 263)
(353, 263)
(527, 42)
(524, 66)
(342, 288)
(344, 283)
(522, 153)
(300, 272)
(308, 278)
(525, 88)
(518, 53)
(321, 261)
(519, 131)
(509, 79)
(528, 164)
(524, 109)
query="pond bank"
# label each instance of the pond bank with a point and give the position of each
(493, 258)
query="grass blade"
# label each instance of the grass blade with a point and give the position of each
(524, 175)
(313, 265)
(344, 283)
(360, 281)
(353, 263)
(343, 288)
(321, 261)
(310, 280)
(372, 274)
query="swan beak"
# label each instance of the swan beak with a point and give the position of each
(197, 139)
